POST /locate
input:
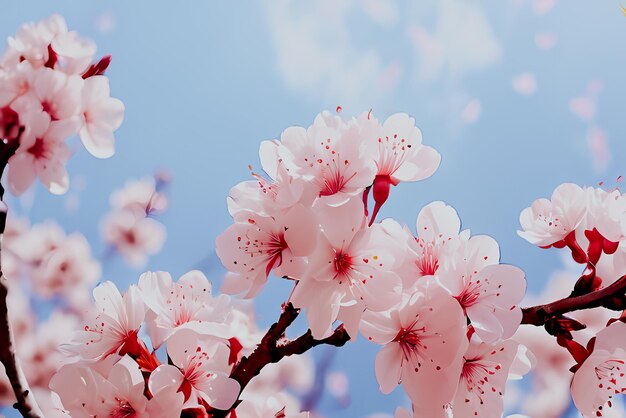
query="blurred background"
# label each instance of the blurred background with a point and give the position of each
(518, 96)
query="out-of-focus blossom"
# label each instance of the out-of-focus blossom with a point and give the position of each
(524, 84)
(472, 111)
(545, 41)
(133, 235)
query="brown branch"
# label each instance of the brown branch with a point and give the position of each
(271, 351)
(26, 403)
(540, 314)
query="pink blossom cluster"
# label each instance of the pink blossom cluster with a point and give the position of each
(50, 90)
(130, 227)
(591, 223)
(37, 344)
(55, 263)
(412, 293)
(165, 348)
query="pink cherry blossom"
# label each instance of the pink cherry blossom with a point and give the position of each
(396, 147)
(186, 304)
(438, 225)
(39, 351)
(68, 269)
(32, 40)
(483, 378)
(350, 270)
(601, 375)
(42, 153)
(133, 235)
(255, 245)
(114, 328)
(52, 92)
(272, 406)
(200, 371)
(489, 292)
(606, 213)
(102, 115)
(424, 341)
(270, 196)
(86, 393)
(140, 194)
(548, 221)
(330, 154)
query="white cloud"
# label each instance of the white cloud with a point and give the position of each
(316, 54)
(462, 41)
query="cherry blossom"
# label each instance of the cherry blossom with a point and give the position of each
(350, 270)
(546, 222)
(438, 225)
(86, 393)
(601, 375)
(114, 328)
(331, 155)
(257, 244)
(396, 147)
(186, 304)
(200, 371)
(42, 153)
(133, 235)
(269, 196)
(489, 292)
(102, 115)
(483, 378)
(68, 269)
(140, 194)
(424, 340)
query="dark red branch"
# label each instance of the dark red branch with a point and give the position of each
(26, 403)
(274, 347)
(611, 297)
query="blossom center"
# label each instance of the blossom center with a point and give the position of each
(343, 263)
(39, 149)
(393, 153)
(123, 410)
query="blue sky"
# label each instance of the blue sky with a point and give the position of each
(205, 82)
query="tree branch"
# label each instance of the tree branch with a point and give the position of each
(25, 400)
(274, 347)
(540, 314)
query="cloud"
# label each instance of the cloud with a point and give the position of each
(461, 42)
(316, 54)
(341, 50)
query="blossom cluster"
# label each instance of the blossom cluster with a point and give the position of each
(50, 90)
(57, 265)
(412, 293)
(163, 348)
(130, 227)
(591, 223)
